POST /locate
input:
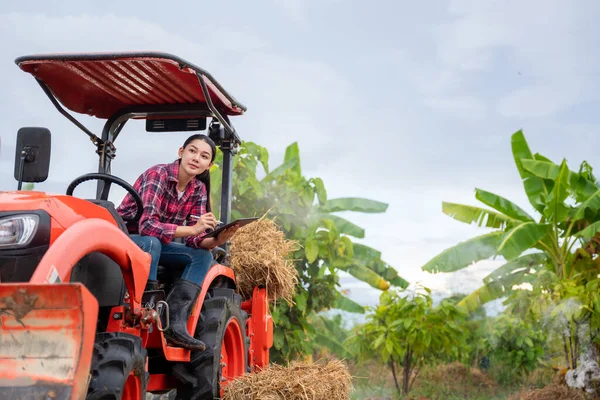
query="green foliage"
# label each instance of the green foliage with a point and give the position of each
(514, 342)
(555, 253)
(305, 213)
(405, 330)
(568, 308)
(330, 337)
(568, 203)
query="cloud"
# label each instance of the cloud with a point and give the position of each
(466, 107)
(541, 100)
(295, 10)
(399, 104)
(289, 99)
(539, 51)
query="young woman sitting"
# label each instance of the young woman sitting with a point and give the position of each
(174, 194)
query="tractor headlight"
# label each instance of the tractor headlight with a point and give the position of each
(18, 230)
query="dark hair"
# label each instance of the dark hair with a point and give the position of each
(205, 176)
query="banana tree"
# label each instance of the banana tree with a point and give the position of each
(558, 239)
(302, 209)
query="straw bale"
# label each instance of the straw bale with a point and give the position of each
(556, 390)
(300, 380)
(260, 256)
(551, 392)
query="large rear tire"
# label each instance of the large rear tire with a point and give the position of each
(118, 368)
(222, 327)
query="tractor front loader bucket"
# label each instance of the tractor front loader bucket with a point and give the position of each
(46, 340)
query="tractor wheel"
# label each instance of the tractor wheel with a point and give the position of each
(222, 327)
(118, 368)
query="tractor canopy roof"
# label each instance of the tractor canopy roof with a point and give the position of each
(104, 84)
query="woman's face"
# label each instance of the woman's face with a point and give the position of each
(195, 158)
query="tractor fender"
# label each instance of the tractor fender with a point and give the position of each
(95, 235)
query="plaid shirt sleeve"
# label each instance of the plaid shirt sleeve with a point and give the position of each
(199, 208)
(152, 189)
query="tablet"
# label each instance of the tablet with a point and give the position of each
(240, 222)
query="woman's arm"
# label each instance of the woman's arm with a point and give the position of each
(185, 231)
(152, 191)
(211, 242)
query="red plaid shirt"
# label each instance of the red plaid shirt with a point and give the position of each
(163, 210)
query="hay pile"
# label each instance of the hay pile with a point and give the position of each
(454, 380)
(552, 392)
(300, 381)
(260, 256)
(462, 376)
(557, 390)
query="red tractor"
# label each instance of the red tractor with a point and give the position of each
(75, 319)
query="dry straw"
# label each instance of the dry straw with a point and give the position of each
(299, 381)
(556, 390)
(552, 392)
(260, 256)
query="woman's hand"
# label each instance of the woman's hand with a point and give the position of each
(206, 221)
(226, 234)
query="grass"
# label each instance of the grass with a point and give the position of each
(444, 382)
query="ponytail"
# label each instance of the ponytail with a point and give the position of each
(205, 178)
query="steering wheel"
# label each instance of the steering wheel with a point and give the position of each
(108, 179)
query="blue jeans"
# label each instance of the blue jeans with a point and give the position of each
(152, 246)
(195, 262)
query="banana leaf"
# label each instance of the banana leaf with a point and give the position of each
(320, 190)
(343, 303)
(535, 187)
(292, 153)
(365, 252)
(526, 262)
(387, 272)
(503, 205)
(590, 231)
(282, 169)
(369, 276)
(540, 157)
(343, 225)
(555, 202)
(479, 216)
(583, 188)
(376, 265)
(521, 238)
(542, 169)
(494, 290)
(592, 203)
(582, 183)
(465, 253)
(333, 345)
(259, 152)
(353, 204)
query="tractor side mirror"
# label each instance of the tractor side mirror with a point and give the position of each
(32, 156)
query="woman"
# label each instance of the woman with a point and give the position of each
(174, 194)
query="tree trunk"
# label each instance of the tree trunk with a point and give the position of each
(393, 367)
(415, 376)
(567, 352)
(406, 371)
(571, 347)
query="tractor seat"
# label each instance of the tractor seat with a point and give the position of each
(110, 206)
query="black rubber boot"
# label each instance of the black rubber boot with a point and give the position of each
(181, 299)
(151, 285)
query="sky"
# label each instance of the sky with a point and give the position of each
(409, 103)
